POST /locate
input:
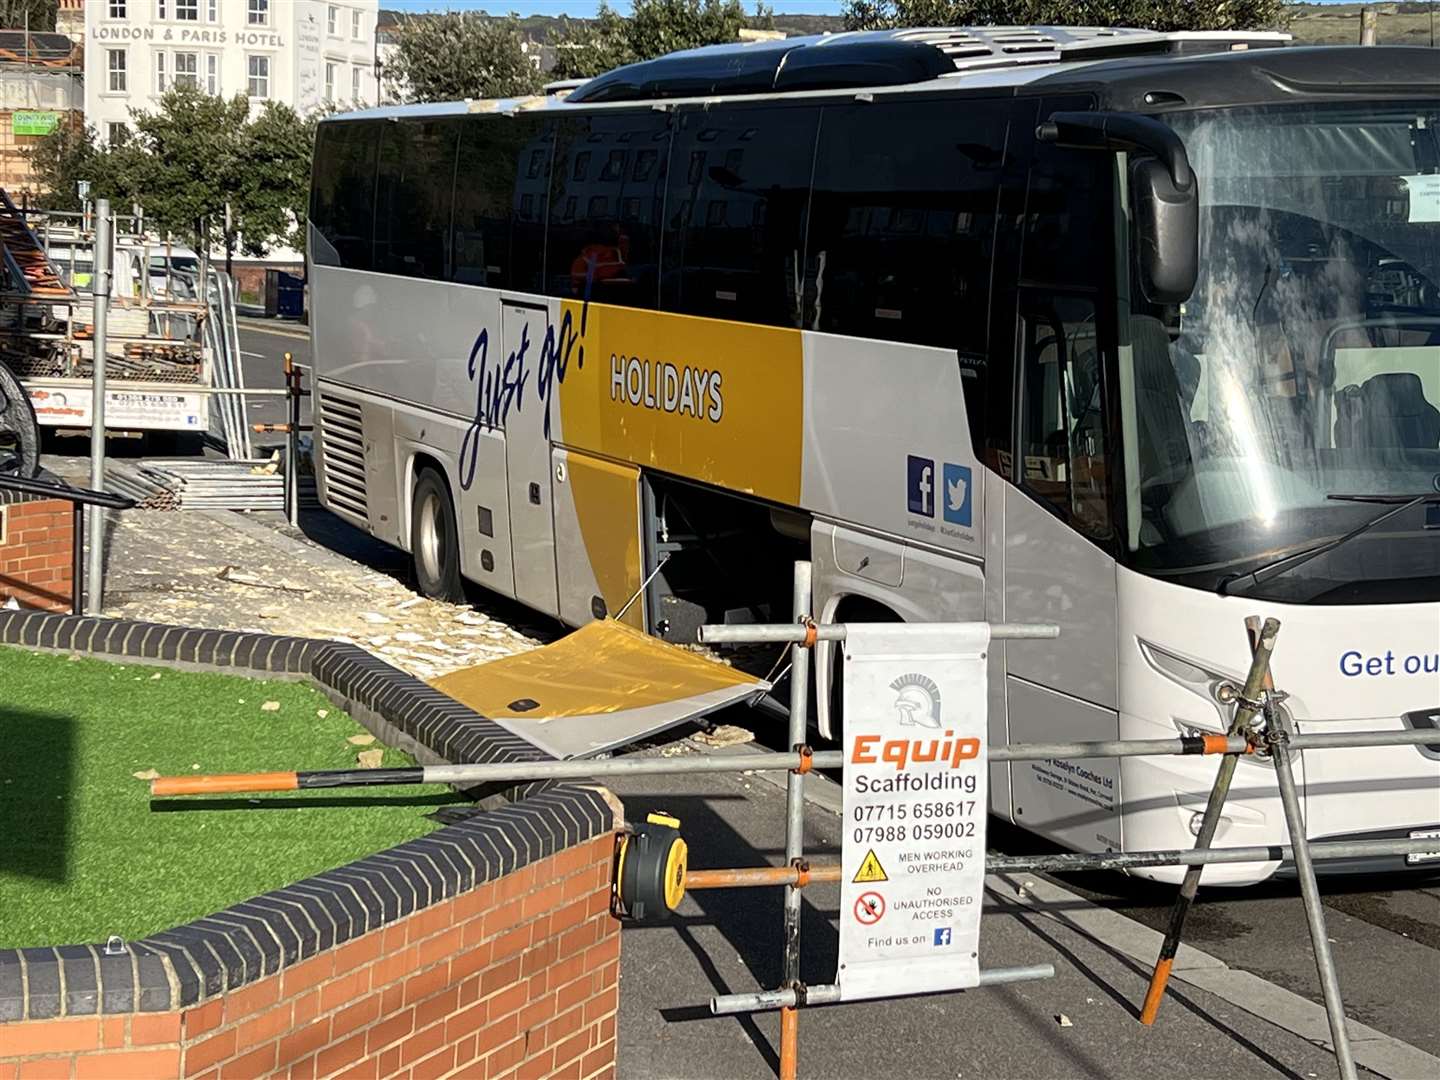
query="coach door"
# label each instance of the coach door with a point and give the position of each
(1058, 532)
(528, 469)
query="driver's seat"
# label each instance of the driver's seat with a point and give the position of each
(1394, 412)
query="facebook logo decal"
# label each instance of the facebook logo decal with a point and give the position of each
(920, 485)
(957, 494)
(942, 935)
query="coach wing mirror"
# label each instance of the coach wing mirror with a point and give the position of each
(1164, 197)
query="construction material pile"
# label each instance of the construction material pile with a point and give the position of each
(199, 483)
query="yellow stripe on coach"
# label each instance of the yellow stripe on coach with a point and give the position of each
(715, 401)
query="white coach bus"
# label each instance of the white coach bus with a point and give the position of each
(1136, 333)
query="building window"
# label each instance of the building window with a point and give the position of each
(330, 67)
(212, 11)
(257, 70)
(187, 70)
(355, 17)
(117, 11)
(116, 133)
(187, 10)
(212, 74)
(117, 63)
(160, 73)
(355, 83)
(332, 21)
(161, 12)
(259, 12)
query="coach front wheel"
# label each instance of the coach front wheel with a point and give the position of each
(435, 540)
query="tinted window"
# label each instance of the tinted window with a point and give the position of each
(1068, 214)
(498, 201)
(736, 206)
(1062, 431)
(902, 221)
(606, 203)
(416, 179)
(342, 198)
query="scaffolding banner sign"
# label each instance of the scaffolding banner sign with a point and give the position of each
(913, 851)
(144, 410)
(32, 122)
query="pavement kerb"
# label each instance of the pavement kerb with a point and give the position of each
(1376, 1051)
(279, 330)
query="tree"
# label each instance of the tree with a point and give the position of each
(654, 28)
(66, 157)
(38, 15)
(184, 163)
(1152, 14)
(273, 187)
(188, 160)
(461, 54)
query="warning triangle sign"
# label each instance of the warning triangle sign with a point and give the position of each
(870, 870)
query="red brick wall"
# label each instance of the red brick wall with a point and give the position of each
(36, 556)
(517, 978)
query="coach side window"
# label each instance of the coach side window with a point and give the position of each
(497, 199)
(902, 221)
(607, 194)
(342, 203)
(736, 205)
(413, 199)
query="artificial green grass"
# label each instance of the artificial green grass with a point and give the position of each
(85, 854)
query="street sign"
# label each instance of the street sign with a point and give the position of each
(913, 852)
(30, 122)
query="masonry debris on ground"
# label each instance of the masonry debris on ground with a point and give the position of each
(223, 571)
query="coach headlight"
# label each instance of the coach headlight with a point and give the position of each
(1203, 683)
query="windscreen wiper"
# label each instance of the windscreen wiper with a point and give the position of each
(1239, 583)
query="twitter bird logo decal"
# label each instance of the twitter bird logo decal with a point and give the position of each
(957, 494)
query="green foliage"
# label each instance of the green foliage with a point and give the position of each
(64, 158)
(461, 54)
(184, 162)
(41, 15)
(654, 28)
(1153, 14)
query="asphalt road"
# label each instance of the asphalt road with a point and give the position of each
(1385, 932)
(263, 345)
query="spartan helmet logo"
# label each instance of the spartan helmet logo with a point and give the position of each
(917, 701)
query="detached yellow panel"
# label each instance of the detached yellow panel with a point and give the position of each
(603, 686)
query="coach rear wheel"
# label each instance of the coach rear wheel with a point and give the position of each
(435, 540)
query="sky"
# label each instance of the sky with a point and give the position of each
(585, 8)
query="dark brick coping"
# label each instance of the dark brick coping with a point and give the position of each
(180, 967)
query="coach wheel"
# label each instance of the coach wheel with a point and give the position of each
(19, 430)
(435, 540)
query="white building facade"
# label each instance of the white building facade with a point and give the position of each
(304, 53)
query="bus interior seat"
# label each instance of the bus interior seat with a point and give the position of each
(1387, 410)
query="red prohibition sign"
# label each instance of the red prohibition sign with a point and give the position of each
(869, 907)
